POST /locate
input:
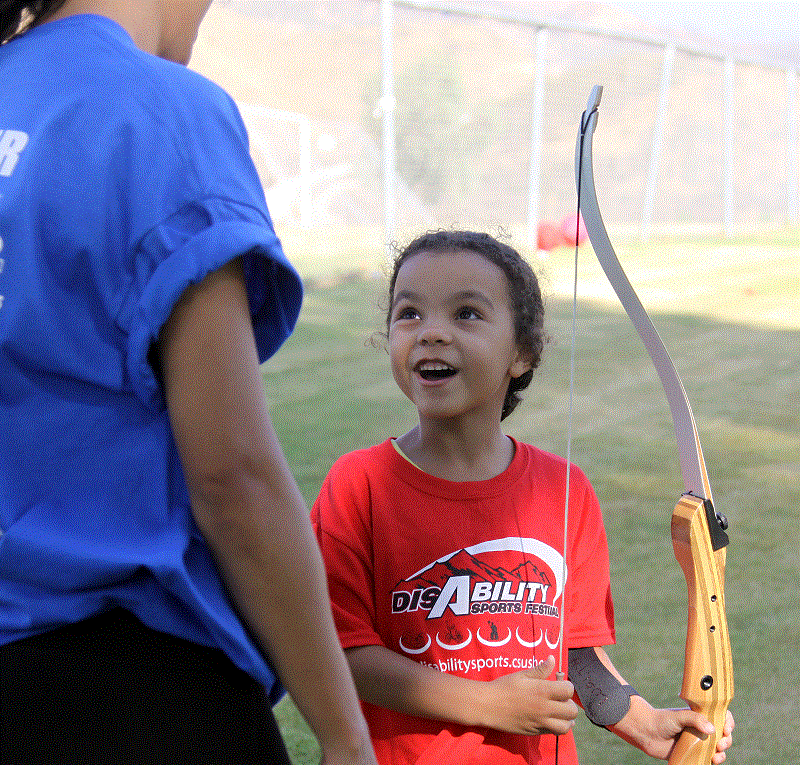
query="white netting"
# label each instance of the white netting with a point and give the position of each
(309, 78)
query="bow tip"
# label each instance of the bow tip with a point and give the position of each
(594, 98)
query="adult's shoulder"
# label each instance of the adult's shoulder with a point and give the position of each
(174, 95)
(103, 65)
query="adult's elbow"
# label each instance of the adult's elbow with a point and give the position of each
(227, 494)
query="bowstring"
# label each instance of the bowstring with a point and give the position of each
(560, 674)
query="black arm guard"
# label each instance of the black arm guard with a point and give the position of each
(604, 699)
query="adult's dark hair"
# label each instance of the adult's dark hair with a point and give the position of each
(523, 288)
(18, 15)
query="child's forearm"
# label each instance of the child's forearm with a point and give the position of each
(523, 702)
(389, 680)
(636, 726)
(655, 731)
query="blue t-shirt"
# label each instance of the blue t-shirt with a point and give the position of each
(123, 179)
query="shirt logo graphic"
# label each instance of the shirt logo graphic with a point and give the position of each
(461, 583)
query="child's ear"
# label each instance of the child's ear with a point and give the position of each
(521, 364)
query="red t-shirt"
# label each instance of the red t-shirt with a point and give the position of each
(466, 578)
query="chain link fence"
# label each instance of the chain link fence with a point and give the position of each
(374, 119)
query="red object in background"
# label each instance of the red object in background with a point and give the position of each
(548, 236)
(570, 227)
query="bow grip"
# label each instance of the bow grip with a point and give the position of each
(700, 547)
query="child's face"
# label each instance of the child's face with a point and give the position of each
(451, 335)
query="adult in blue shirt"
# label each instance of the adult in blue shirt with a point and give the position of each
(156, 558)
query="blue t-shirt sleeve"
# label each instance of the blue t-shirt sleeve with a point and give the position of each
(195, 203)
(201, 237)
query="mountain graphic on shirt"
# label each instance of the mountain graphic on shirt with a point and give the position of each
(463, 563)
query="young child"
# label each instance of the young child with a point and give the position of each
(444, 547)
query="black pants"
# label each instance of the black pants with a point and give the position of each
(110, 690)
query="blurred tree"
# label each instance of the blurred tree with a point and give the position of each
(438, 137)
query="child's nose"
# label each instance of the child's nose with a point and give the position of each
(433, 332)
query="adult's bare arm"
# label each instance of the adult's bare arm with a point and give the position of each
(248, 507)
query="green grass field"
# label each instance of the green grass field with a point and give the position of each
(729, 314)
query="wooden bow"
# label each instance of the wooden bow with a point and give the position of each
(698, 531)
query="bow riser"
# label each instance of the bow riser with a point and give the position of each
(708, 672)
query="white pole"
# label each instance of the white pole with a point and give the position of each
(658, 143)
(792, 159)
(387, 105)
(536, 136)
(305, 171)
(727, 149)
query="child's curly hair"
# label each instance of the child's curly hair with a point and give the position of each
(523, 287)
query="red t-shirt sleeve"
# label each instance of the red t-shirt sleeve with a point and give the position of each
(342, 522)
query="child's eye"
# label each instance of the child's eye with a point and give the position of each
(405, 313)
(467, 314)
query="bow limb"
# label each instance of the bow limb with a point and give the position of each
(698, 535)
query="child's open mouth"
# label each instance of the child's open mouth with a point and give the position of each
(432, 372)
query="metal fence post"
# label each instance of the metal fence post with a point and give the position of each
(388, 103)
(658, 142)
(534, 175)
